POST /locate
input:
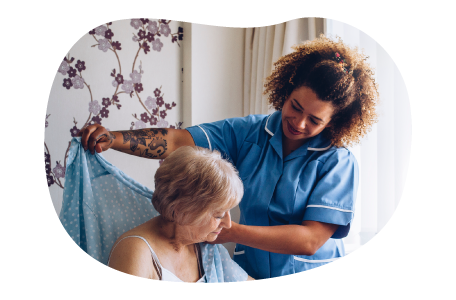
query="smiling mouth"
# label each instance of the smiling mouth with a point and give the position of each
(292, 130)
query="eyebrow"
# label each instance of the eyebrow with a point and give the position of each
(297, 103)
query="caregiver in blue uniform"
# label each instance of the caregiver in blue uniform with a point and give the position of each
(300, 181)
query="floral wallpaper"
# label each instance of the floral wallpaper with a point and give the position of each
(119, 95)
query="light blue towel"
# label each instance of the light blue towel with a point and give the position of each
(100, 203)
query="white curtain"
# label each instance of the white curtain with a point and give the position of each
(263, 46)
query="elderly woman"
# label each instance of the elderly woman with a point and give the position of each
(194, 191)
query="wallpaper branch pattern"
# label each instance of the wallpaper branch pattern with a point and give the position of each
(154, 108)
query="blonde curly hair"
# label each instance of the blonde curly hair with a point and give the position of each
(193, 182)
(352, 92)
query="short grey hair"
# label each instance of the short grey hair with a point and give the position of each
(193, 181)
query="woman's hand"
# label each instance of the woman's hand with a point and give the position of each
(96, 138)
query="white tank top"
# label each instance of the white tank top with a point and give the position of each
(163, 273)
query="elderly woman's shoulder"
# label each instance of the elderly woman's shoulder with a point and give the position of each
(131, 254)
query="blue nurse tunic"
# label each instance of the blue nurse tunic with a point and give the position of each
(316, 182)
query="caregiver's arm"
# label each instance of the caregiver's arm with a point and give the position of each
(303, 239)
(149, 142)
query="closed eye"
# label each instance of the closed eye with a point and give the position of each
(297, 109)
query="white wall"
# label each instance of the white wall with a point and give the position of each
(217, 72)
(216, 58)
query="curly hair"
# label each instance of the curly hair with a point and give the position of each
(352, 92)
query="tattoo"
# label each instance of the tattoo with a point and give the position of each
(157, 145)
(111, 138)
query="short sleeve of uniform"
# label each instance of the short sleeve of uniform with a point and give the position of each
(226, 135)
(333, 198)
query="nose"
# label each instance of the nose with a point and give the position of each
(226, 220)
(301, 123)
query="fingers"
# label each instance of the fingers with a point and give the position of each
(100, 135)
(85, 134)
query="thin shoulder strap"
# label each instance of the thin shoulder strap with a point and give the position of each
(155, 260)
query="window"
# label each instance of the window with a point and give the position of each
(407, 193)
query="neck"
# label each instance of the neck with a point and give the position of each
(290, 145)
(178, 236)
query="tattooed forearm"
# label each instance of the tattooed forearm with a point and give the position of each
(151, 139)
(112, 137)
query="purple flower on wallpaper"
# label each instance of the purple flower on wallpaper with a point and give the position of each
(108, 34)
(50, 180)
(151, 103)
(96, 120)
(157, 45)
(153, 27)
(136, 23)
(157, 92)
(116, 45)
(144, 117)
(115, 83)
(144, 20)
(80, 65)
(67, 83)
(64, 67)
(141, 34)
(138, 87)
(100, 30)
(106, 102)
(104, 113)
(71, 72)
(74, 131)
(145, 47)
(119, 78)
(94, 107)
(103, 44)
(163, 114)
(165, 30)
(47, 158)
(162, 124)
(48, 169)
(127, 86)
(59, 171)
(150, 37)
(140, 125)
(153, 121)
(135, 76)
(46, 124)
(135, 38)
(160, 101)
(77, 82)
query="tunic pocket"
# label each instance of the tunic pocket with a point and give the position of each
(318, 271)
